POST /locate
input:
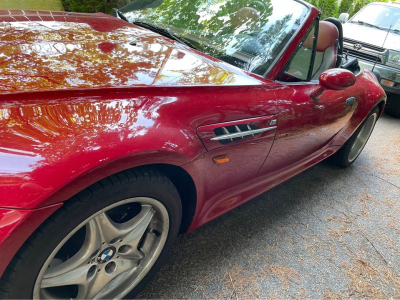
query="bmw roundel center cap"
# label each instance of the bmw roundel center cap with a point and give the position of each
(106, 255)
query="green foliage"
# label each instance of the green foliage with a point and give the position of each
(346, 6)
(328, 8)
(358, 5)
(314, 2)
(93, 6)
(52, 5)
(177, 15)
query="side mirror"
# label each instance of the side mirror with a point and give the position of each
(344, 17)
(333, 79)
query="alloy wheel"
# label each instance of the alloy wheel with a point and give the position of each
(362, 137)
(108, 254)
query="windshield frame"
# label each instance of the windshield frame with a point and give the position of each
(290, 41)
(308, 7)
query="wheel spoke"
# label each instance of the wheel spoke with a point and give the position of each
(93, 240)
(138, 225)
(109, 229)
(89, 249)
(112, 271)
(124, 265)
(78, 276)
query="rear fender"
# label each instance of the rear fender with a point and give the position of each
(371, 95)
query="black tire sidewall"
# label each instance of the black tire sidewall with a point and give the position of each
(393, 106)
(344, 153)
(67, 219)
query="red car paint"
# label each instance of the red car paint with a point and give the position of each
(16, 225)
(87, 96)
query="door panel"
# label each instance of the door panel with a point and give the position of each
(251, 107)
(305, 126)
(246, 156)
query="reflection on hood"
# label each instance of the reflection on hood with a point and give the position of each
(62, 51)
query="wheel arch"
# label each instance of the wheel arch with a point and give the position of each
(86, 202)
(181, 179)
(381, 104)
(371, 97)
(186, 187)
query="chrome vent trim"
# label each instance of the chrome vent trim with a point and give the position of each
(235, 133)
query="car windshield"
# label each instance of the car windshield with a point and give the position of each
(379, 15)
(245, 33)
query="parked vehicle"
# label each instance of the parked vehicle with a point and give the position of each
(117, 134)
(373, 36)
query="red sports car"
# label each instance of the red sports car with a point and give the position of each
(119, 133)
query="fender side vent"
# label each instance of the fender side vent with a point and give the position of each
(236, 129)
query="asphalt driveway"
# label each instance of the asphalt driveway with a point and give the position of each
(327, 233)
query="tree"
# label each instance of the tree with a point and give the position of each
(314, 2)
(328, 8)
(93, 6)
(346, 6)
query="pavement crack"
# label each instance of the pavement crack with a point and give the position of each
(385, 181)
(316, 216)
(373, 246)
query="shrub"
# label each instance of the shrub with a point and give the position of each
(328, 8)
(93, 6)
(346, 6)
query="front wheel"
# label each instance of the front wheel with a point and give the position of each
(353, 147)
(105, 243)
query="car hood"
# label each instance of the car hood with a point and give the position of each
(46, 51)
(372, 36)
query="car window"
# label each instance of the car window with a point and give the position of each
(300, 67)
(246, 33)
(379, 15)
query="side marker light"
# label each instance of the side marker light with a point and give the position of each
(221, 159)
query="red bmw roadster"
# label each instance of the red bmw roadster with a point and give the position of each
(118, 133)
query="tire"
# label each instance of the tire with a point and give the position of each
(393, 106)
(79, 243)
(354, 146)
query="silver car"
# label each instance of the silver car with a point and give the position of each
(373, 36)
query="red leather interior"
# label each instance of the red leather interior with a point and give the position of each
(327, 36)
